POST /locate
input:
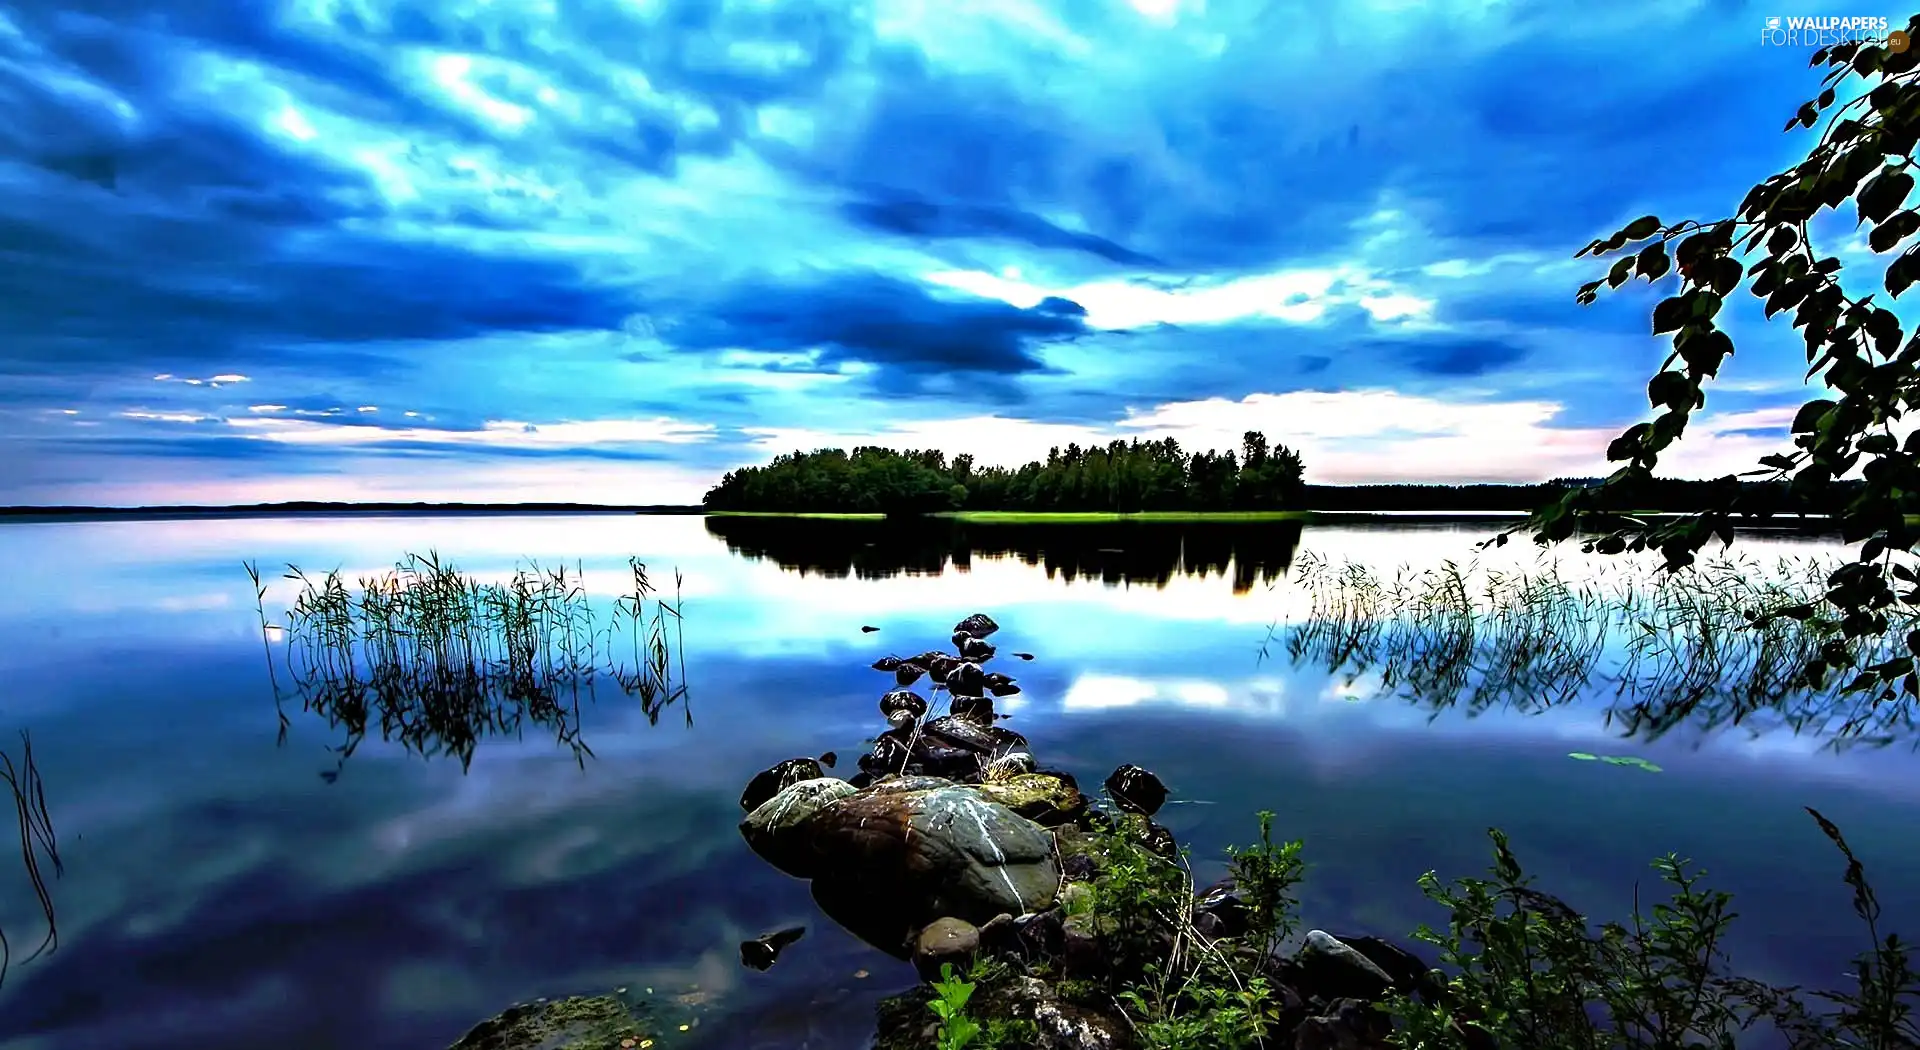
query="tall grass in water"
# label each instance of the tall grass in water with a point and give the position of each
(37, 844)
(438, 660)
(1687, 647)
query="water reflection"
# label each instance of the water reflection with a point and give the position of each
(218, 896)
(1684, 651)
(438, 661)
(1143, 552)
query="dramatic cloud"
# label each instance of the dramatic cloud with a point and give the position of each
(468, 249)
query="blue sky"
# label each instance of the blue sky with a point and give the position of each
(604, 250)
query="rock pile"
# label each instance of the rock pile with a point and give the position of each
(951, 843)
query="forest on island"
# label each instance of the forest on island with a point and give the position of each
(1125, 477)
(1120, 477)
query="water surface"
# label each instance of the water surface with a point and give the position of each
(221, 892)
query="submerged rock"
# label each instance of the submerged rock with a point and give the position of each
(599, 1022)
(773, 780)
(1135, 789)
(1000, 685)
(762, 952)
(777, 828)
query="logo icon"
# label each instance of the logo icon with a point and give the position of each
(1773, 23)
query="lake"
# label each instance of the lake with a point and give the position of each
(228, 886)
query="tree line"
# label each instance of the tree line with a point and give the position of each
(1141, 475)
(1121, 477)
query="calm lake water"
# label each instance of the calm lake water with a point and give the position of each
(220, 892)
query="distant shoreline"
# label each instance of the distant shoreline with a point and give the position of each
(989, 517)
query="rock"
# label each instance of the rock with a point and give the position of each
(1409, 972)
(902, 707)
(938, 665)
(1007, 742)
(998, 935)
(890, 754)
(772, 781)
(1080, 951)
(1006, 767)
(828, 758)
(1135, 789)
(1330, 969)
(966, 679)
(1047, 801)
(1000, 685)
(1221, 911)
(886, 922)
(960, 638)
(979, 625)
(958, 733)
(945, 940)
(762, 952)
(1156, 838)
(975, 709)
(934, 849)
(1039, 934)
(1347, 1024)
(862, 779)
(951, 763)
(908, 673)
(584, 1020)
(777, 828)
(976, 650)
(1065, 1026)
(886, 663)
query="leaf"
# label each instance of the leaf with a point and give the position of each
(1826, 98)
(1644, 226)
(1670, 314)
(1883, 195)
(1652, 262)
(1808, 417)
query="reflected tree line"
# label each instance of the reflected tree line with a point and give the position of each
(1119, 477)
(436, 660)
(1136, 553)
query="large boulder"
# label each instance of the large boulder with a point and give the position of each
(777, 828)
(925, 848)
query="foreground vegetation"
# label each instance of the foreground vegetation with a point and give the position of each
(439, 660)
(1519, 968)
(39, 849)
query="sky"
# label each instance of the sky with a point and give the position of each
(604, 251)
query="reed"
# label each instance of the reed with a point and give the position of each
(1668, 649)
(438, 660)
(38, 844)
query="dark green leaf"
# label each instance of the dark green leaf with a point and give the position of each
(1652, 261)
(1670, 314)
(1809, 415)
(1644, 226)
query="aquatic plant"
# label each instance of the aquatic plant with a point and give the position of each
(1685, 646)
(438, 660)
(37, 841)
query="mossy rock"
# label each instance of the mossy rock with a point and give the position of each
(582, 1022)
(1042, 798)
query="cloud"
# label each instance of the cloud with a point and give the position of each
(783, 217)
(887, 322)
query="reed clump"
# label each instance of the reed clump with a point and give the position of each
(438, 660)
(1670, 648)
